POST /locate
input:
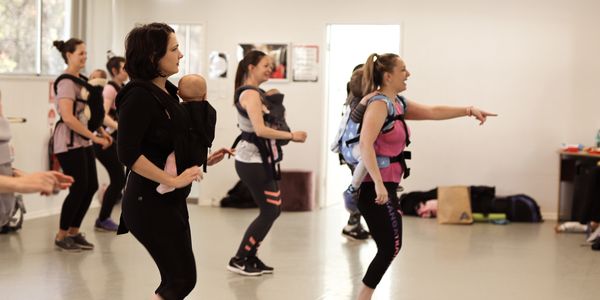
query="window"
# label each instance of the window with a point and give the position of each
(27, 30)
(191, 43)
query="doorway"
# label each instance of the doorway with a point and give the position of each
(348, 46)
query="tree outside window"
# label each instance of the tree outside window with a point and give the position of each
(27, 30)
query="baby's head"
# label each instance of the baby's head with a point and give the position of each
(98, 74)
(192, 87)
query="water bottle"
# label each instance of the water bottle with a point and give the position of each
(598, 139)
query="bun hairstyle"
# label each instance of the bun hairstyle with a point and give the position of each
(374, 68)
(67, 47)
(251, 58)
(114, 62)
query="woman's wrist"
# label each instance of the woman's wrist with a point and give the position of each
(469, 111)
(292, 136)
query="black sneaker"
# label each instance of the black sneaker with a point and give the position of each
(259, 264)
(596, 244)
(80, 241)
(67, 244)
(243, 267)
(355, 232)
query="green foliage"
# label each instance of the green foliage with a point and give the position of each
(20, 31)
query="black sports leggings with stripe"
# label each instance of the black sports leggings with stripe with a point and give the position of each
(79, 163)
(109, 159)
(385, 225)
(265, 192)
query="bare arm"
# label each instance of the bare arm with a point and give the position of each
(109, 94)
(43, 182)
(419, 111)
(372, 122)
(110, 122)
(147, 169)
(250, 100)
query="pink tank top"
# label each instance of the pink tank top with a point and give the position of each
(391, 144)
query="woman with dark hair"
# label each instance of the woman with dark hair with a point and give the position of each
(72, 146)
(152, 124)
(255, 158)
(377, 200)
(108, 157)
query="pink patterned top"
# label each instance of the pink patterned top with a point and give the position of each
(391, 144)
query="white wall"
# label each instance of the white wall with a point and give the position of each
(27, 96)
(534, 62)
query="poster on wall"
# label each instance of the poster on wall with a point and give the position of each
(217, 67)
(305, 63)
(278, 54)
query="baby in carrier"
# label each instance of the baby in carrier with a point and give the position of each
(346, 142)
(274, 116)
(192, 88)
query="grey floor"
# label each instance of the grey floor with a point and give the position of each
(312, 260)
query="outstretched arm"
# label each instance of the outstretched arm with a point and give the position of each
(419, 111)
(43, 182)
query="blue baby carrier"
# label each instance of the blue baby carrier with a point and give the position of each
(346, 141)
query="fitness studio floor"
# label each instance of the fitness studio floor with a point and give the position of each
(312, 261)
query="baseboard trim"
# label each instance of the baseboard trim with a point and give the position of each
(50, 212)
(550, 216)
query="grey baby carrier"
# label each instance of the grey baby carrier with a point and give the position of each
(11, 205)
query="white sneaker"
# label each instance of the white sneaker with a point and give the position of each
(594, 235)
(571, 227)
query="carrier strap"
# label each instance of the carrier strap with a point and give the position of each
(264, 148)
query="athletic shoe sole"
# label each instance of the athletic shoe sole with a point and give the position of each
(100, 229)
(242, 272)
(350, 237)
(67, 250)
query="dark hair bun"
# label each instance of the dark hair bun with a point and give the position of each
(59, 45)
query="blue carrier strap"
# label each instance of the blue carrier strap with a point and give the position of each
(404, 155)
(389, 120)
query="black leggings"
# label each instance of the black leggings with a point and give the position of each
(79, 163)
(109, 159)
(385, 224)
(266, 194)
(160, 224)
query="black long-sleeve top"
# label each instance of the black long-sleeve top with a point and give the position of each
(153, 124)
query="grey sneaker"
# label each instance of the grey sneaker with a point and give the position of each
(67, 244)
(80, 241)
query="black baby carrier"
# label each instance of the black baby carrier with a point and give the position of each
(95, 102)
(270, 151)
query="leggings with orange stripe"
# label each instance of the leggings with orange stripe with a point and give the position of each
(265, 192)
